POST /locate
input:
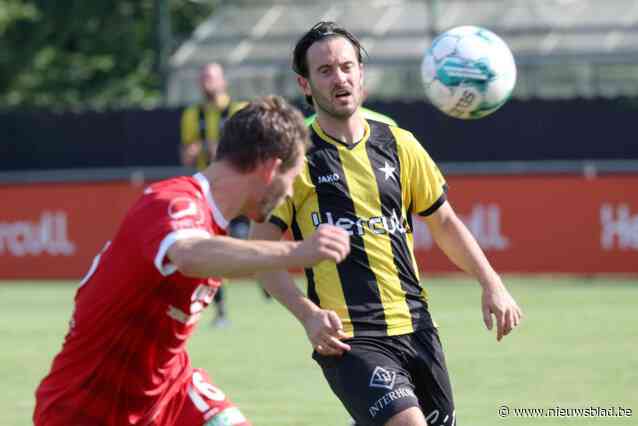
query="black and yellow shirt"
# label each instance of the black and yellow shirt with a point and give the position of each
(370, 189)
(204, 122)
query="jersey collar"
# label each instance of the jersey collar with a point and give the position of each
(217, 214)
(326, 137)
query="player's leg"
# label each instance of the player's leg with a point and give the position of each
(237, 228)
(413, 416)
(221, 318)
(207, 405)
(371, 380)
(432, 380)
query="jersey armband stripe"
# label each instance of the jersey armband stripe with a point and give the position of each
(434, 207)
(279, 223)
(168, 268)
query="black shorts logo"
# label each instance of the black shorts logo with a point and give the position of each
(382, 378)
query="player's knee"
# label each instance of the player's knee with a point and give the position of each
(208, 405)
(415, 417)
(441, 417)
(409, 417)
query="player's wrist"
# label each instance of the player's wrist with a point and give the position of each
(298, 256)
(308, 310)
(490, 281)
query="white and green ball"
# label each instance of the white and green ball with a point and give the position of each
(468, 72)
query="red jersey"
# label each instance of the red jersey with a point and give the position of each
(124, 360)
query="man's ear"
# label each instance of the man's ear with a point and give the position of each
(304, 85)
(267, 170)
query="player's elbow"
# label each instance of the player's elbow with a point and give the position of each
(191, 269)
(188, 267)
(187, 260)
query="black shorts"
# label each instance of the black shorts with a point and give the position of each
(382, 376)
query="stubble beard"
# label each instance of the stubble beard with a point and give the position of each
(267, 205)
(327, 106)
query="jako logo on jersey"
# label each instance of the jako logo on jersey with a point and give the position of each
(182, 207)
(382, 378)
(379, 225)
(328, 178)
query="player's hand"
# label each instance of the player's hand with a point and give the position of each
(497, 301)
(325, 332)
(328, 242)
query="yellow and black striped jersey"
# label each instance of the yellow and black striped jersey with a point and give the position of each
(204, 122)
(370, 189)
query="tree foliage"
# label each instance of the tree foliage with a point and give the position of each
(78, 54)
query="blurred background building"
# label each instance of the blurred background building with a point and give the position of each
(563, 48)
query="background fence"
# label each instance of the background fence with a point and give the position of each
(535, 130)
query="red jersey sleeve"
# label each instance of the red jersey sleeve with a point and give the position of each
(169, 217)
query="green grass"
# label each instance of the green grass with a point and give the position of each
(577, 347)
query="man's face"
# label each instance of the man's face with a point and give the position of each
(279, 188)
(212, 80)
(335, 79)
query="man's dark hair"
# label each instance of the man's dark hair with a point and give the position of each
(319, 32)
(269, 127)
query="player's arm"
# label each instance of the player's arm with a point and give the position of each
(456, 241)
(220, 256)
(323, 327)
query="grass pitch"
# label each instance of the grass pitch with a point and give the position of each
(577, 348)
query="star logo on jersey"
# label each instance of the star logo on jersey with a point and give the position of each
(382, 378)
(388, 171)
(182, 207)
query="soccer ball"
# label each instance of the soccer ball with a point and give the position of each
(468, 72)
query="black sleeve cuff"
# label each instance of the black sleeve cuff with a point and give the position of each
(438, 203)
(279, 223)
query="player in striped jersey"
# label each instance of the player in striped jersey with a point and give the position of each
(368, 318)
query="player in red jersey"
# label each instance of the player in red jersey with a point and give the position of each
(124, 360)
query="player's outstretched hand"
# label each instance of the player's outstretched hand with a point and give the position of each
(497, 301)
(328, 242)
(325, 332)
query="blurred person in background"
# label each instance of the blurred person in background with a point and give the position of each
(368, 318)
(124, 360)
(201, 128)
(202, 123)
